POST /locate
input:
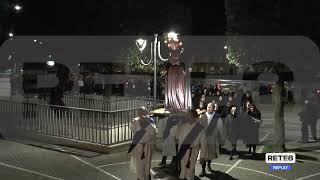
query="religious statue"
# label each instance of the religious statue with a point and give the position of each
(175, 76)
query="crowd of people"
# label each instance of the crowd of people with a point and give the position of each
(217, 122)
(203, 94)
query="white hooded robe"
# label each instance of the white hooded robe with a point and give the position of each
(142, 166)
(168, 144)
(197, 145)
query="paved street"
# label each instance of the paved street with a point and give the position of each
(21, 161)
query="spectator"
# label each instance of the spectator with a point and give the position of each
(309, 117)
(201, 109)
(233, 129)
(253, 120)
(246, 97)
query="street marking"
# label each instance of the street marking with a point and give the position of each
(233, 166)
(294, 121)
(261, 172)
(153, 173)
(262, 139)
(316, 162)
(286, 125)
(101, 170)
(30, 171)
(267, 119)
(154, 161)
(91, 165)
(115, 164)
(219, 164)
(106, 165)
(307, 177)
(239, 161)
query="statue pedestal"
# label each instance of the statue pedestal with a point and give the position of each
(161, 113)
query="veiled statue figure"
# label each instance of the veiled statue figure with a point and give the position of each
(175, 94)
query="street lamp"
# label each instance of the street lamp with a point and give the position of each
(17, 7)
(50, 63)
(11, 34)
(141, 44)
(155, 51)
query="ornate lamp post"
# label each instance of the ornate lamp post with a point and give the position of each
(155, 52)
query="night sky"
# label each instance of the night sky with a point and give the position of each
(146, 17)
(121, 17)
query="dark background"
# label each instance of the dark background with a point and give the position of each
(132, 17)
(145, 16)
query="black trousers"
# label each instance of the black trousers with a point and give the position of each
(175, 163)
(233, 150)
(313, 127)
(304, 130)
(203, 163)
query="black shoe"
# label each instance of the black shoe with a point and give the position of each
(163, 161)
(173, 169)
(230, 158)
(303, 141)
(203, 173)
(312, 141)
(173, 166)
(162, 164)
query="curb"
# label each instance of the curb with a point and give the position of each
(47, 140)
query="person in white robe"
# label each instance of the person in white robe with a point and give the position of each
(191, 138)
(211, 121)
(142, 150)
(167, 130)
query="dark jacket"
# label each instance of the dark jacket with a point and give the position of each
(233, 128)
(252, 127)
(309, 112)
(225, 111)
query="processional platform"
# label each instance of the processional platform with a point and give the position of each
(160, 112)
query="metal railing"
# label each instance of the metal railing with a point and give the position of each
(104, 105)
(95, 126)
(88, 120)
